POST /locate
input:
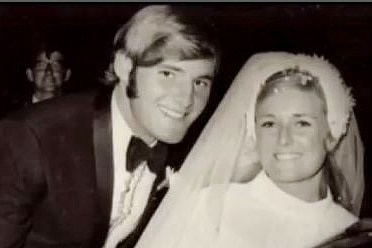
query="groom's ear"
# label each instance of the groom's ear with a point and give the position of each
(122, 66)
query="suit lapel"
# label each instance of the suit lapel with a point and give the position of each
(102, 138)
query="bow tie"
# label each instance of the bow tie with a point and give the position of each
(138, 152)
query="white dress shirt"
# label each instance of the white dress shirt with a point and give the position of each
(131, 190)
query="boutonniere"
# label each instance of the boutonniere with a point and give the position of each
(170, 178)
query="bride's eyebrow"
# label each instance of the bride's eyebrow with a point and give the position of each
(306, 115)
(265, 116)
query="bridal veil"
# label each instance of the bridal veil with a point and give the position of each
(225, 150)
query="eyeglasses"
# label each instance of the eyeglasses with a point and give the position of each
(43, 66)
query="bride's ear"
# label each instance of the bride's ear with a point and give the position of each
(247, 164)
(330, 143)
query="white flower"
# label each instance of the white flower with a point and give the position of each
(171, 175)
(170, 178)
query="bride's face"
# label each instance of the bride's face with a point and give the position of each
(291, 131)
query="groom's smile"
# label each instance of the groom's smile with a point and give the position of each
(170, 96)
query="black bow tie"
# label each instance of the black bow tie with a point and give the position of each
(138, 152)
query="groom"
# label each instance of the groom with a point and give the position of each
(85, 170)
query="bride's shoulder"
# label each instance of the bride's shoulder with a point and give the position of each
(222, 189)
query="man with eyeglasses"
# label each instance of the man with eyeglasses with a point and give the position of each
(48, 72)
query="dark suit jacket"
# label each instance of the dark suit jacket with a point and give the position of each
(56, 173)
(12, 101)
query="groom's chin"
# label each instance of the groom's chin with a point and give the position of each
(172, 138)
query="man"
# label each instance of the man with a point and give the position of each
(70, 170)
(48, 72)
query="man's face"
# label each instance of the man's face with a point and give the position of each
(291, 129)
(170, 96)
(48, 73)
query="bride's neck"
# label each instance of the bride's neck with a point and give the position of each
(310, 190)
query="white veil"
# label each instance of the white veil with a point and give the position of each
(221, 150)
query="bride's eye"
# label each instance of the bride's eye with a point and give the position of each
(303, 123)
(267, 124)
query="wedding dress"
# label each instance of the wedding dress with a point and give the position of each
(258, 214)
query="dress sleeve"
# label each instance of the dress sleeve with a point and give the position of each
(357, 235)
(20, 182)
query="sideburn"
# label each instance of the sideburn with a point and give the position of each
(131, 89)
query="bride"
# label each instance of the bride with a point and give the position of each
(280, 163)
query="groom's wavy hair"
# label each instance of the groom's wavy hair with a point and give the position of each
(158, 32)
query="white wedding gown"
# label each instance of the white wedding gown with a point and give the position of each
(259, 214)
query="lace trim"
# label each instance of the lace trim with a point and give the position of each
(127, 196)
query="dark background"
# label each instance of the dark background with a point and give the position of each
(340, 32)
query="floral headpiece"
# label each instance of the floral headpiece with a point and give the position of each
(339, 101)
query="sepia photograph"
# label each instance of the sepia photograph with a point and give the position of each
(177, 125)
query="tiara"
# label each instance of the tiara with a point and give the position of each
(301, 76)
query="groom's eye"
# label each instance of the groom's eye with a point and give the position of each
(202, 82)
(166, 74)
